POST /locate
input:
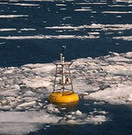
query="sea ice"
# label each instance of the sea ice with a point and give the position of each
(24, 4)
(26, 88)
(12, 16)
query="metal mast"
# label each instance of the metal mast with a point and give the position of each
(63, 79)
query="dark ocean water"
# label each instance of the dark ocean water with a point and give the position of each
(119, 123)
(38, 15)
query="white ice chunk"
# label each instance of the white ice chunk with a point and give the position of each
(127, 38)
(9, 29)
(117, 12)
(24, 4)
(97, 119)
(15, 123)
(52, 108)
(36, 82)
(49, 37)
(114, 95)
(12, 16)
(23, 105)
(78, 112)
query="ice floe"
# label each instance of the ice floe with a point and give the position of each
(12, 16)
(78, 117)
(105, 75)
(14, 29)
(127, 38)
(24, 4)
(61, 5)
(37, 82)
(24, 122)
(91, 35)
(117, 12)
(76, 27)
(24, 91)
(49, 37)
(27, 29)
(9, 29)
(108, 27)
(91, 3)
(83, 9)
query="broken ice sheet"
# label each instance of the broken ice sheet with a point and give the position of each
(30, 121)
(18, 128)
(24, 122)
(96, 79)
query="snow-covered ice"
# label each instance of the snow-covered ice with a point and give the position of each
(12, 16)
(117, 12)
(101, 27)
(9, 29)
(127, 38)
(49, 37)
(111, 73)
(19, 123)
(24, 4)
(24, 91)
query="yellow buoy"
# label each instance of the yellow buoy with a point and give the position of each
(63, 87)
(63, 97)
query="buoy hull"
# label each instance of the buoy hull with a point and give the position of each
(63, 97)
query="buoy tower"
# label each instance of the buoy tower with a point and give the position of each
(63, 87)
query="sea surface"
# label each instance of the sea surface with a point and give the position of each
(119, 122)
(35, 31)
